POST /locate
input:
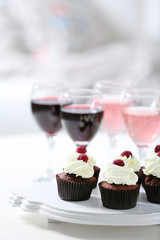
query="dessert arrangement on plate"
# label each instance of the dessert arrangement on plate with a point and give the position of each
(128, 195)
(122, 179)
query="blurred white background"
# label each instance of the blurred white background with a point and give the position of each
(79, 41)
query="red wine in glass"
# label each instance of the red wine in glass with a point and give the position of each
(81, 122)
(47, 114)
(45, 106)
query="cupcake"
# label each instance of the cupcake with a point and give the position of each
(151, 181)
(82, 150)
(120, 188)
(76, 182)
(132, 162)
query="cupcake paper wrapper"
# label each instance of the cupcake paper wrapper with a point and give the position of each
(74, 191)
(119, 199)
(153, 193)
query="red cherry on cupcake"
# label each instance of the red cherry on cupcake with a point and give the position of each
(119, 162)
(83, 157)
(157, 149)
(81, 149)
(158, 154)
(126, 153)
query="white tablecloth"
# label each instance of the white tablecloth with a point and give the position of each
(23, 157)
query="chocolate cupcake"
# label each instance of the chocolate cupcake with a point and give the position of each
(72, 188)
(82, 150)
(76, 182)
(120, 189)
(132, 162)
(141, 175)
(96, 174)
(151, 181)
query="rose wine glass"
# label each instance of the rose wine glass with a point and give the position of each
(45, 105)
(112, 92)
(142, 118)
(82, 117)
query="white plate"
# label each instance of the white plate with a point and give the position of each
(42, 198)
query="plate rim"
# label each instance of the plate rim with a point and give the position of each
(62, 215)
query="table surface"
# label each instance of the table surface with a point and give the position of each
(22, 158)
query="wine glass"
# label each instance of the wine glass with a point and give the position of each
(142, 118)
(82, 117)
(45, 105)
(113, 92)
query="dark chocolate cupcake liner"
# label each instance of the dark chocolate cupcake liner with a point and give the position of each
(74, 191)
(152, 192)
(119, 199)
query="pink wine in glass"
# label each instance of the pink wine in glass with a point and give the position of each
(113, 120)
(142, 124)
(81, 122)
(47, 113)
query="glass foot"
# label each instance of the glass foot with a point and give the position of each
(46, 177)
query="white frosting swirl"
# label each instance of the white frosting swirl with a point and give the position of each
(152, 165)
(120, 175)
(73, 157)
(130, 162)
(79, 167)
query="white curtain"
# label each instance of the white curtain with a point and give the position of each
(139, 19)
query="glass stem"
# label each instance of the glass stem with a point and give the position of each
(142, 154)
(113, 140)
(51, 143)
